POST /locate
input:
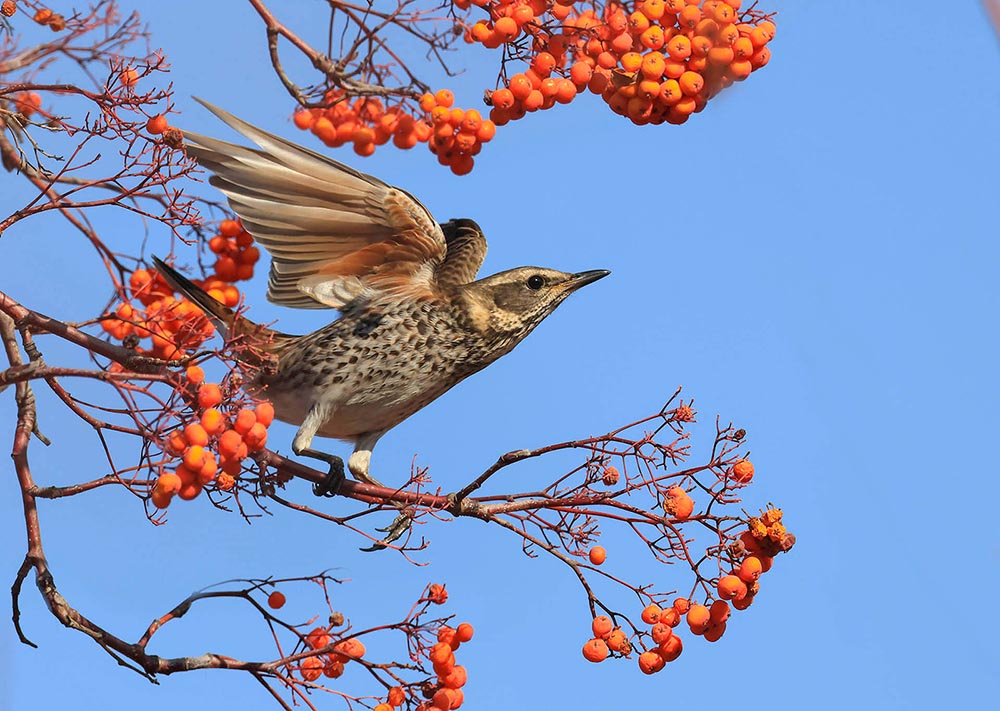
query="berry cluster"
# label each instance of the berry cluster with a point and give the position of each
(451, 677)
(765, 537)
(176, 326)
(452, 134)
(55, 21)
(211, 445)
(329, 665)
(652, 61)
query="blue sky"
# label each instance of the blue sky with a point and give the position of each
(818, 264)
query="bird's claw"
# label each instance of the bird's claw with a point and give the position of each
(400, 525)
(334, 477)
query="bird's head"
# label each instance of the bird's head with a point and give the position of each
(508, 305)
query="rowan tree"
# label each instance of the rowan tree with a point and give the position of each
(87, 109)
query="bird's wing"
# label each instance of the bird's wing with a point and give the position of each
(334, 233)
(466, 252)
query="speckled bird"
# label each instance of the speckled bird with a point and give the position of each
(414, 320)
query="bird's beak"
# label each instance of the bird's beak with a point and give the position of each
(583, 278)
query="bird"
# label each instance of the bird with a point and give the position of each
(414, 319)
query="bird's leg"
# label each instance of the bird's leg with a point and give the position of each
(319, 414)
(359, 463)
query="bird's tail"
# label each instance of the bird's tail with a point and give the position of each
(229, 323)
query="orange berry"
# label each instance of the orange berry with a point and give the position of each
(42, 17)
(317, 638)
(129, 77)
(670, 92)
(719, 612)
(579, 73)
(194, 433)
(442, 698)
(176, 443)
(622, 43)
(750, 569)
(698, 619)
(565, 91)
(209, 395)
(276, 600)
(653, 38)
(264, 413)
(679, 48)
(671, 617)
(208, 470)
(661, 632)
(595, 650)
(534, 100)
(678, 502)
(382, 707)
(602, 626)
(520, 86)
(160, 499)
(480, 31)
(651, 614)
(437, 594)
(333, 669)
(715, 631)
(761, 58)
(304, 119)
(598, 555)
(650, 662)
(652, 9)
(671, 648)
(631, 61)
(689, 17)
(740, 69)
(464, 632)
(691, 83)
(444, 98)
(256, 438)
(157, 124)
(213, 421)
(189, 490)
(502, 98)
(245, 419)
(653, 65)
(428, 102)
(486, 131)
(456, 678)
(396, 696)
(169, 483)
(506, 28)
(730, 586)
(744, 603)
(761, 34)
(543, 63)
(618, 642)
(352, 648)
(311, 668)
(230, 442)
(194, 457)
(440, 653)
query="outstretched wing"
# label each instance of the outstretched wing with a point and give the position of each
(466, 252)
(334, 233)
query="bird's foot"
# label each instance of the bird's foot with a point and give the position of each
(400, 525)
(334, 477)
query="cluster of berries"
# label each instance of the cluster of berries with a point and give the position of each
(652, 61)
(175, 326)
(452, 134)
(210, 445)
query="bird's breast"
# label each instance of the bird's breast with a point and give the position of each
(374, 368)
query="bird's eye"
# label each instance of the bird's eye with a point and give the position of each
(535, 282)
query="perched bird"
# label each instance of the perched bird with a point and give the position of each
(414, 320)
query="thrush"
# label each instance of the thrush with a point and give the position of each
(414, 320)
